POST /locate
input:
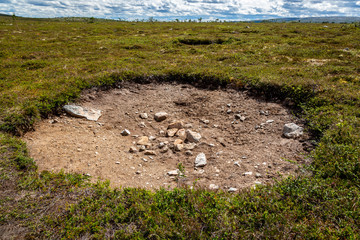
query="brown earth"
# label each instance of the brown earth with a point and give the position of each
(232, 147)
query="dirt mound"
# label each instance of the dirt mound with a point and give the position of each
(241, 138)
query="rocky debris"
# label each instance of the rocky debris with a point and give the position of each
(152, 138)
(177, 125)
(291, 130)
(247, 173)
(173, 173)
(125, 132)
(142, 125)
(232, 189)
(179, 147)
(205, 121)
(192, 136)
(80, 112)
(189, 153)
(188, 125)
(144, 140)
(171, 132)
(190, 146)
(164, 149)
(213, 187)
(138, 172)
(133, 150)
(270, 121)
(142, 148)
(258, 175)
(266, 113)
(181, 133)
(149, 152)
(237, 164)
(229, 111)
(144, 159)
(117, 162)
(160, 116)
(143, 115)
(178, 141)
(161, 145)
(221, 141)
(200, 160)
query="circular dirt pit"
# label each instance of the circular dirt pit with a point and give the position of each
(241, 138)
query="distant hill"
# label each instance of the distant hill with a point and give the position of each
(315, 20)
(4, 15)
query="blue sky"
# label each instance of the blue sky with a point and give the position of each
(181, 9)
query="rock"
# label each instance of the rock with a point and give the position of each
(270, 121)
(144, 159)
(232, 189)
(161, 144)
(258, 175)
(205, 121)
(237, 164)
(160, 116)
(192, 136)
(117, 162)
(152, 138)
(213, 187)
(266, 113)
(125, 132)
(149, 152)
(138, 172)
(164, 149)
(142, 125)
(181, 133)
(188, 125)
(237, 116)
(179, 147)
(177, 124)
(291, 130)
(221, 141)
(189, 153)
(258, 183)
(171, 132)
(132, 150)
(142, 148)
(178, 141)
(228, 105)
(247, 173)
(190, 146)
(229, 111)
(144, 140)
(80, 112)
(200, 160)
(242, 118)
(173, 173)
(143, 115)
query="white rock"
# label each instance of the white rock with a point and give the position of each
(270, 121)
(291, 130)
(192, 136)
(213, 187)
(237, 164)
(232, 189)
(200, 160)
(143, 115)
(173, 173)
(160, 116)
(125, 132)
(80, 112)
(248, 173)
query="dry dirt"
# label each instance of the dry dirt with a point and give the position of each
(232, 147)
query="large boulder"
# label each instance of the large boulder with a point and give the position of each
(291, 130)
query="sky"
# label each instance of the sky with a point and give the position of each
(170, 10)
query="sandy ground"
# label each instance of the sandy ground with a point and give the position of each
(232, 147)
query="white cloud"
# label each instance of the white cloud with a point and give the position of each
(142, 9)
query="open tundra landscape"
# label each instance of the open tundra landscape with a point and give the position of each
(179, 130)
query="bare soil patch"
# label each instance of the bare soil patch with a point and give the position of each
(232, 147)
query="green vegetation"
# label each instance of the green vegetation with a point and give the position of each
(46, 63)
